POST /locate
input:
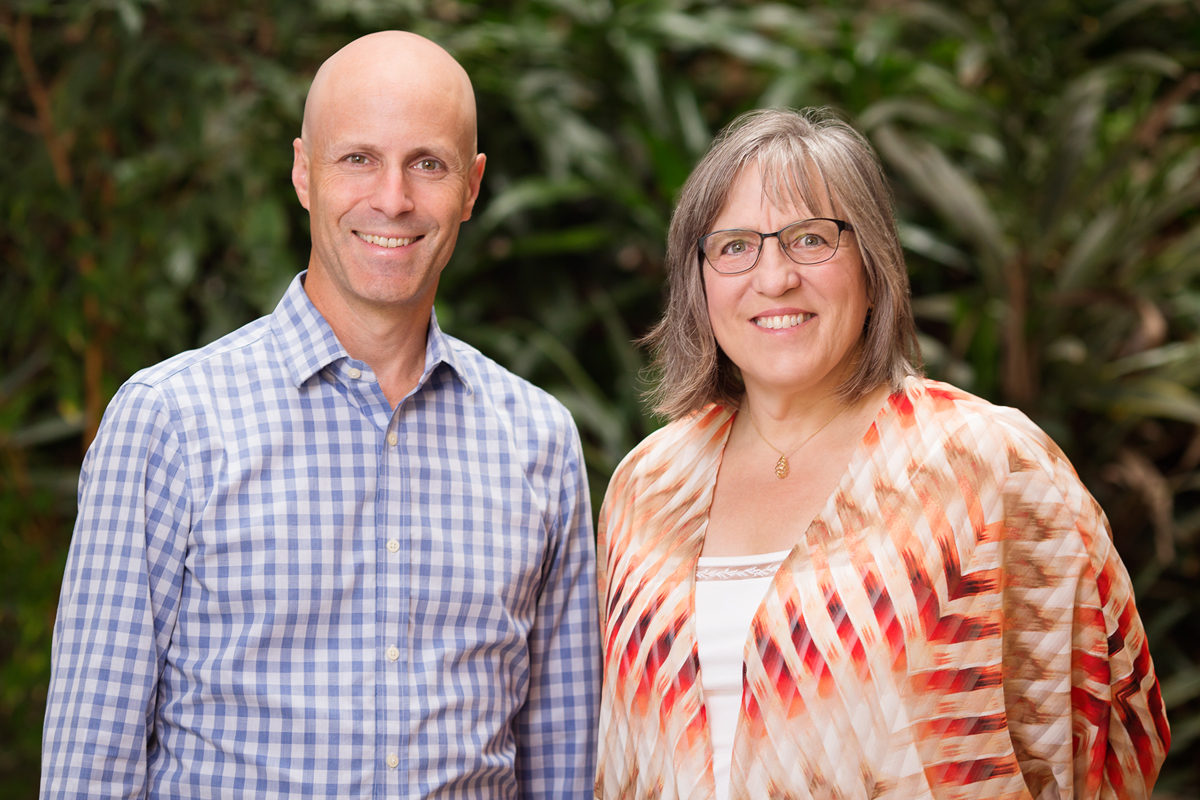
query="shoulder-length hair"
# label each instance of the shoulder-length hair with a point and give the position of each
(808, 157)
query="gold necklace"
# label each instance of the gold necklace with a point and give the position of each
(781, 466)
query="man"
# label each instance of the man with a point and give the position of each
(336, 553)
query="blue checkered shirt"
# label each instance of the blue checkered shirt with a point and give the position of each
(280, 587)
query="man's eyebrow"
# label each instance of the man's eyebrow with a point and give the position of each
(444, 151)
(350, 146)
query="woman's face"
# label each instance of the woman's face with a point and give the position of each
(788, 327)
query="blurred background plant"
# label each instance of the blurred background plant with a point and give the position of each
(1044, 154)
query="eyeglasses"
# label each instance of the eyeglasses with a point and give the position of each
(809, 241)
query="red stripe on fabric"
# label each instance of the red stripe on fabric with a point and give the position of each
(811, 657)
(1114, 773)
(885, 615)
(956, 628)
(802, 641)
(950, 565)
(871, 437)
(1104, 585)
(1126, 620)
(847, 633)
(1088, 706)
(783, 681)
(1154, 703)
(962, 773)
(928, 605)
(1089, 617)
(683, 682)
(956, 680)
(1094, 667)
(944, 399)
(984, 582)
(992, 532)
(1116, 642)
(903, 407)
(1139, 737)
(963, 726)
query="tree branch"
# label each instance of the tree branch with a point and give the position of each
(18, 34)
(1152, 127)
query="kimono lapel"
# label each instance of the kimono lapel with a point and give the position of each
(651, 663)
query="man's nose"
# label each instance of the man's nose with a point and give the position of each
(390, 196)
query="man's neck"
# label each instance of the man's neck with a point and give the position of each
(390, 341)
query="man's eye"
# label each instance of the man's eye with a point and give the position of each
(429, 164)
(357, 158)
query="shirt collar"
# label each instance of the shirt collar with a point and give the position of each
(440, 349)
(309, 345)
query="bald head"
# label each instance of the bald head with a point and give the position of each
(386, 165)
(398, 66)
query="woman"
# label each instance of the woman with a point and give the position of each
(829, 577)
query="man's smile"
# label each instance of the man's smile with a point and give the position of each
(384, 241)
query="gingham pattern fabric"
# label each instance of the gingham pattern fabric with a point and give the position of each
(277, 587)
(955, 624)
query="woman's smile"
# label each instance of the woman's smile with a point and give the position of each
(782, 321)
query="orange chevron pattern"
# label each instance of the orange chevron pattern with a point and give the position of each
(956, 624)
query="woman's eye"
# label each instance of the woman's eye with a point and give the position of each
(808, 241)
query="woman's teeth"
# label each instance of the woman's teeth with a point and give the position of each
(785, 321)
(384, 241)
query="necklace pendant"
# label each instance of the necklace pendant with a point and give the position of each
(781, 467)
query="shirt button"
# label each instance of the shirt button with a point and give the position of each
(393, 760)
(393, 653)
(393, 546)
(393, 438)
(355, 373)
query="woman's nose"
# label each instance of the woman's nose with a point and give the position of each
(775, 273)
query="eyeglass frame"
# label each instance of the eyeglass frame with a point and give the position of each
(842, 227)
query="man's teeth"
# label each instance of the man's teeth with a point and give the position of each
(384, 241)
(786, 321)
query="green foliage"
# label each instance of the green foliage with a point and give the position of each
(1044, 156)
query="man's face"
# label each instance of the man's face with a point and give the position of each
(387, 173)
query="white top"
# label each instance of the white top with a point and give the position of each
(729, 590)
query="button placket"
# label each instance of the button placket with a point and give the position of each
(394, 669)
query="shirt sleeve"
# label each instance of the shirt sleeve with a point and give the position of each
(118, 605)
(1119, 723)
(556, 727)
(1063, 574)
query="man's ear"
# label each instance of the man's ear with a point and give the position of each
(474, 178)
(300, 171)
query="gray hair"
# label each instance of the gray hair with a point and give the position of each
(808, 157)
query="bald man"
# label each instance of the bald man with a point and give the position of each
(337, 553)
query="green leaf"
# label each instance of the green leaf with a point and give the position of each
(1181, 687)
(953, 193)
(1146, 397)
(1091, 251)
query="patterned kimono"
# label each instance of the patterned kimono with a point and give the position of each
(954, 624)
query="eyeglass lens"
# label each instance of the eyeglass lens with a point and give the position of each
(809, 241)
